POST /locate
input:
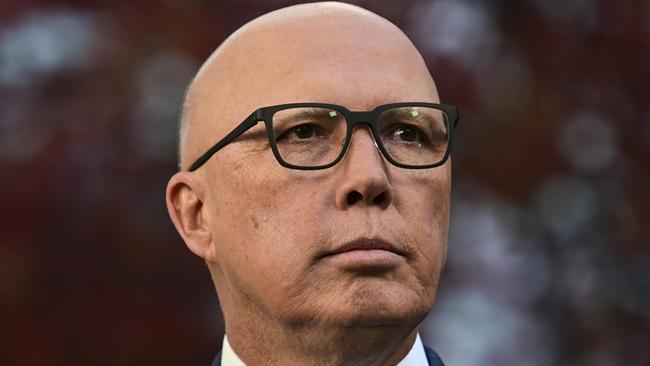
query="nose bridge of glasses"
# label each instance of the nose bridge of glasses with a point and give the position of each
(357, 118)
(362, 119)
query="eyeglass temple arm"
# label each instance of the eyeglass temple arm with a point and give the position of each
(456, 115)
(249, 122)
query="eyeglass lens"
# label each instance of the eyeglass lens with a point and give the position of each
(314, 136)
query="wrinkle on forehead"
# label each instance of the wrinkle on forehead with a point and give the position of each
(290, 55)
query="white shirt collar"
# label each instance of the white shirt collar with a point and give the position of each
(415, 357)
(228, 356)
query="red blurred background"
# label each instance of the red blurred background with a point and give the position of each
(549, 259)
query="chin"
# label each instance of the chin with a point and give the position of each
(357, 301)
(384, 305)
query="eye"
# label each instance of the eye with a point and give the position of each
(302, 131)
(407, 133)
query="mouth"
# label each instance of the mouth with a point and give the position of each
(365, 253)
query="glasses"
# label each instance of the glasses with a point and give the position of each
(312, 136)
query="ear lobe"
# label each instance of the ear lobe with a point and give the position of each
(184, 198)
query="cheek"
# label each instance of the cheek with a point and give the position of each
(423, 201)
(260, 218)
(423, 197)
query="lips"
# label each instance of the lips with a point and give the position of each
(365, 243)
(364, 256)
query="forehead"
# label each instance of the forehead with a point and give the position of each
(348, 60)
(338, 62)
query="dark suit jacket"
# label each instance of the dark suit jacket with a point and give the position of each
(432, 357)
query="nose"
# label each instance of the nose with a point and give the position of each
(364, 179)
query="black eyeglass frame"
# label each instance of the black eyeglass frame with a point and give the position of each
(352, 118)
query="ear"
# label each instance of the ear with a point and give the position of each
(185, 198)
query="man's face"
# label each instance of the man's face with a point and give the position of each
(278, 232)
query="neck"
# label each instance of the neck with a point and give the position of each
(376, 345)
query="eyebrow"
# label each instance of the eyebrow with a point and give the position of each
(307, 113)
(430, 119)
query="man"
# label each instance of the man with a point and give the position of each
(324, 230)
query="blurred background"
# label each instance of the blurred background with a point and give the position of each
(549, 260)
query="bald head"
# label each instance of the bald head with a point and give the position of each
(319, 52)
